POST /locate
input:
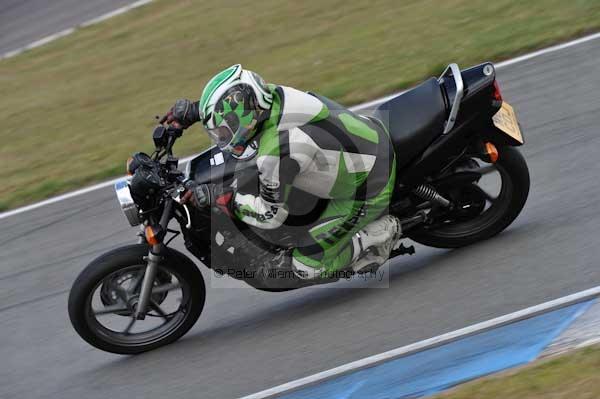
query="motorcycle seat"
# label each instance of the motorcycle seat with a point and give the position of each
(414, 119)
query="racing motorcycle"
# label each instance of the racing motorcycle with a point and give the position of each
(460, 180)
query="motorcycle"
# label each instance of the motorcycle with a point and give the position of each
(451, 135)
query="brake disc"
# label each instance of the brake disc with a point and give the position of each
(121, 282)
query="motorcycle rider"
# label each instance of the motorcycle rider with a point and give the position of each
(308, 142)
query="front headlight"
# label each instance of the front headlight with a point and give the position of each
(128, 206)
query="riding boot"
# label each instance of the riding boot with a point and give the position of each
(372, 245)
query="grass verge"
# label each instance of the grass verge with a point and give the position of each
(75, 109)
(570, 376)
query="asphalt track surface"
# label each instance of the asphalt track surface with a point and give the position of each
(25, 21)
(248, 340)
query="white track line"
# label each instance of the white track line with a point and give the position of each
(54, 36)
(428, 343)
(114, 13)
(72, 194)
(506, 63)
(547, 50)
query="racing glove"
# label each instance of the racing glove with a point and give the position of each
(185, 113)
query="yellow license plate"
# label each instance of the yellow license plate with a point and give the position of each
(506, 120)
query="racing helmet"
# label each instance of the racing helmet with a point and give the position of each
(232, 106)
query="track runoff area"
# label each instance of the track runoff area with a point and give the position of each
(438, 363)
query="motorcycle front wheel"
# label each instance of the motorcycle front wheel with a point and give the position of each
(104, 296)
(483, 208)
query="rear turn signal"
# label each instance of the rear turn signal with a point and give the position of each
(497, 95)
(491, 151)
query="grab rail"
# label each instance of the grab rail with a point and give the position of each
(457, 98)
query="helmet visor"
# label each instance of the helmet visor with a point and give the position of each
(221, 136)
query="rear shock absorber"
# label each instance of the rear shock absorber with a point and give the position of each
(429, 193)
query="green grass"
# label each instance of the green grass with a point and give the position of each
(73, 110)
(572, 376)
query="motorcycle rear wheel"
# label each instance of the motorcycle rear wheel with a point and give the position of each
(505, 208)
(107, 288)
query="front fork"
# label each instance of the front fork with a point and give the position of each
(152, 262)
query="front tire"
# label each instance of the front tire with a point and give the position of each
(115, 267)
(510, 201)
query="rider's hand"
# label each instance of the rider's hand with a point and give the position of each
(183, 114)
(208, 195)
(198, 195)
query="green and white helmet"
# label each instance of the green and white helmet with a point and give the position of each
(232, 105)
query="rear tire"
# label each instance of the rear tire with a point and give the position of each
(114, 261)
(515, 189)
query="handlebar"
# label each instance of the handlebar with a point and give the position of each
(164, 137)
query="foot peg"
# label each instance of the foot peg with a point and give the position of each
(402, 250)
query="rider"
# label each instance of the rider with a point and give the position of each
(310, 143)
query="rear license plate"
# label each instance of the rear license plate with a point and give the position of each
(506, 120)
